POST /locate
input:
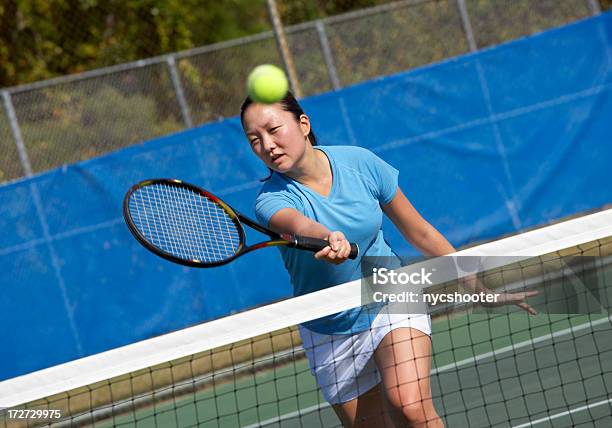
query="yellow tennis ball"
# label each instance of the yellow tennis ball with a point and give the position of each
(267, 84)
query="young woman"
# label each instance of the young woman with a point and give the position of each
(372, 367)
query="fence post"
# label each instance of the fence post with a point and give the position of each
(16, 131)
(594, 6)
(467, 25)
(180, 94)
(327, 54)
(283, 47)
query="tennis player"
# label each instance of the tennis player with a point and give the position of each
(372, 366)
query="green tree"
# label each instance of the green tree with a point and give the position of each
(40, 39)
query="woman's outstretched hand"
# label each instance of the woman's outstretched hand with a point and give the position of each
(474, 285)
(337, 251)
(517, 299)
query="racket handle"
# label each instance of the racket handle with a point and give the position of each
(315, 244)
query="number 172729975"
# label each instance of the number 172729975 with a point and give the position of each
(33, 413)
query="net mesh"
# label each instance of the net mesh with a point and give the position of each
(490, 367)
(184, 223)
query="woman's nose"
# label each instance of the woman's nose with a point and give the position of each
(268, 143)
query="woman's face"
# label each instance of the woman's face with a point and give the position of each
(275, 136)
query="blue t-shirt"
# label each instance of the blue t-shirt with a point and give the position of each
(362, 183)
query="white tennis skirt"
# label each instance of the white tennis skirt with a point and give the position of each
(343, 364)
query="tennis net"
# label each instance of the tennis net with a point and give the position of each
(491, 367)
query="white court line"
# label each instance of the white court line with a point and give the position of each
(287, 416)
(560, 415)
(456, 365)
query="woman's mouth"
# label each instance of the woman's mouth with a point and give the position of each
(277, 158)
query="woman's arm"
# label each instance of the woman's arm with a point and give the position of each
(289, 220)
(430, 242)
(422, 235)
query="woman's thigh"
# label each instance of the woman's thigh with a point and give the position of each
(404, 361)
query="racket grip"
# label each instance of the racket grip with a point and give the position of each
(316, 244)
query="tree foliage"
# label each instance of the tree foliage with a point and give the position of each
(46, 38)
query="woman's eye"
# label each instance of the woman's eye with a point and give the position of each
(254, 141)
(273, 130)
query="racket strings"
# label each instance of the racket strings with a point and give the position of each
(184, 223)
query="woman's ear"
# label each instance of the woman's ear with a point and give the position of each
(305, 125)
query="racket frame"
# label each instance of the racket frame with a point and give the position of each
(236, 218)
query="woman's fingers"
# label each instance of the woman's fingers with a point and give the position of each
(517, 299)
(322, 253)
(527, 308)
(520, 301)
(346, 249)
(337, 251)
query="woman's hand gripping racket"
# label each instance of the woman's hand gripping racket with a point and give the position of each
(190, 226)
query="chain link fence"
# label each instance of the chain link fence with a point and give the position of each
(68, 119)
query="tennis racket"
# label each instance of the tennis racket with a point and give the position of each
(190, 226)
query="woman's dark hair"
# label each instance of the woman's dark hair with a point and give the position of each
(288, 103)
